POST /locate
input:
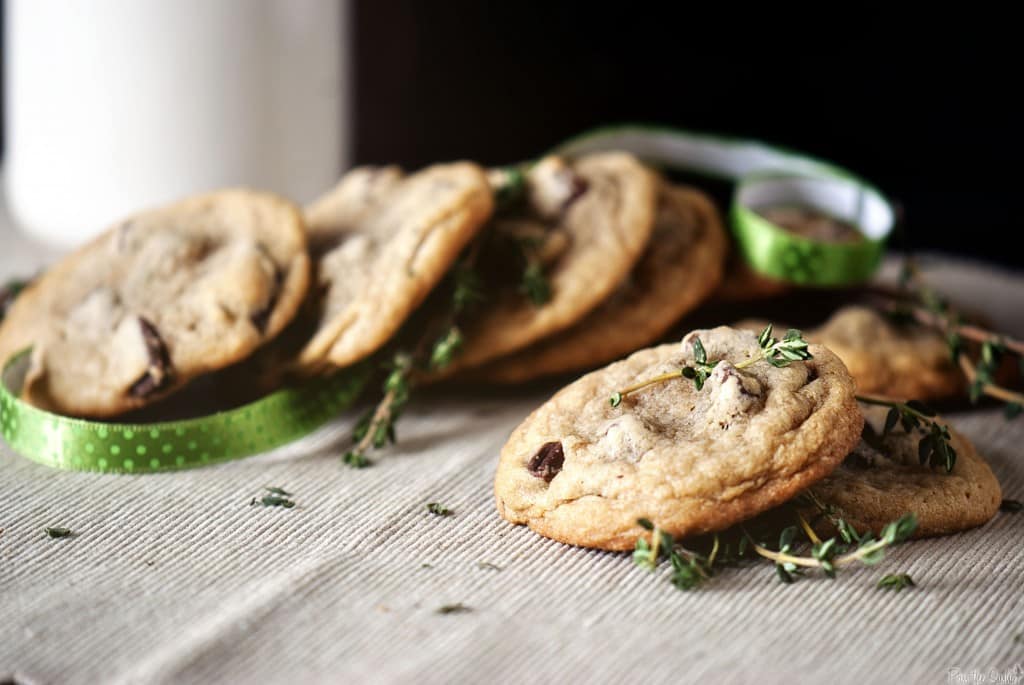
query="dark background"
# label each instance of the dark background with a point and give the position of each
(929, 111)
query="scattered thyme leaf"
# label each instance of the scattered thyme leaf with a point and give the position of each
(896, 582)
(1010, 506)
(487, 566)
(274, 501)
(439, 509)
(458, 608)
(616, 399)
(58, 532)
(277, 491)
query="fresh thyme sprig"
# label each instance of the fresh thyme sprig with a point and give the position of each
(935, 448)
(916, 302)
(779, 353)
(376, 428)
(828, 555)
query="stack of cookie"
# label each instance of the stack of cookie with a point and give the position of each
(505, 276)
(497, 276)
(591, 464)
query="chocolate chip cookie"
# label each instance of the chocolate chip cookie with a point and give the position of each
(381, 241)
(681, 266)
(587, 222)
(877, 483)
(582, 471)
(159, 299)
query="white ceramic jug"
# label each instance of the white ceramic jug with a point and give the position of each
(117, 105)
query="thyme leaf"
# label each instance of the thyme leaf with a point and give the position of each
(458, 608)
(439, 509)
(896, 582)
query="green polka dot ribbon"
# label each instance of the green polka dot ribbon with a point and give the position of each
(768, 176)
(82, 445)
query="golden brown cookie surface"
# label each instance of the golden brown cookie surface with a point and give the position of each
(582, 471)
(382, 241)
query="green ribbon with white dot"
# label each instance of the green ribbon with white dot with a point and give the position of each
(81, 445)
(767, 176)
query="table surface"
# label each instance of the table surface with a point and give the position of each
(174, 578)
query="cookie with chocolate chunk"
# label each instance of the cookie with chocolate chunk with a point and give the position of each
(883, 479)
(159, 299)
(885, 358)
(585, 224)
(681, 266)
(582, 471)
(381, 241)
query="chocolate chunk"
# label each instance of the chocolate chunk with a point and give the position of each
(160, 373)
(579, 186)
(547, 462)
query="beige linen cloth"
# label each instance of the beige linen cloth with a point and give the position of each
(174, 578)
